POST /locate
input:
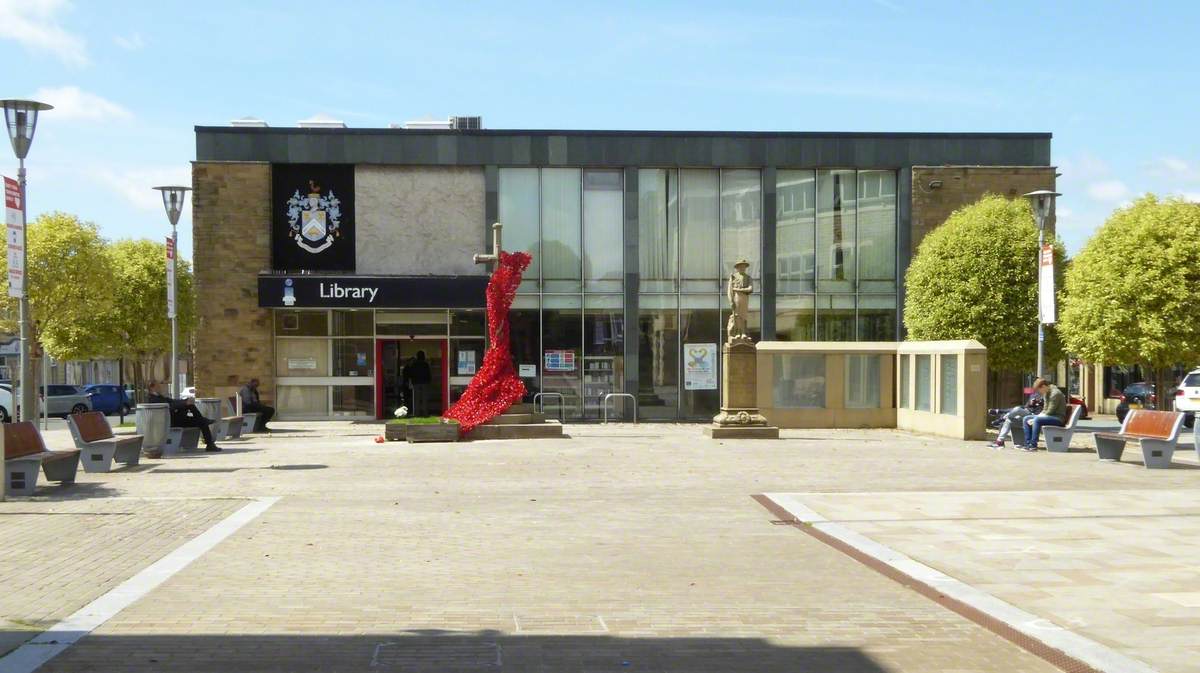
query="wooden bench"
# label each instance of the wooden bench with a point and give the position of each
(1156, 432)
(25, 452)
(1058, 439)
(249, 418)
(97, 444)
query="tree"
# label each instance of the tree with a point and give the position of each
(1133, 292)
(69, 286)
(976, 277)
(138, 320)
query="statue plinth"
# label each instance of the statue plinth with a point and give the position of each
(739, 417)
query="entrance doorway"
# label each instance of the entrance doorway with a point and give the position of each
(391, 388)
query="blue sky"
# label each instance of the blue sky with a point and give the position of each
(1117, 84)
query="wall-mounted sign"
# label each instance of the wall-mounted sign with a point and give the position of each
(311, 291)
(699, 366)
(527, 371)
(313, 218)
(302, 363)
(466, 363)
(560, 361)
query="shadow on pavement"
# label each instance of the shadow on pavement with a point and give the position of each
(433, 651)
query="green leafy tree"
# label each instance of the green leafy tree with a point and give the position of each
(138, 321)
(69, 285)
(976, 277)
(1133, 292)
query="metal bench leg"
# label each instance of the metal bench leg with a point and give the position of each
(174, 442)
(62, 470)
(1109, 449)
(1058, 440)
(97, 458)
(1156, 453)
(128, 453)
(21, 475)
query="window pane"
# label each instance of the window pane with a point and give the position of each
(835, 230)
(353, 357)
(560, 229)
(795, 318)
(876, 318)
(603, 224)
(877, 228)
(949, 382)
(699, 228)
(302, 357)
(301, 401)
(353, 323)
(699, 326)
(466, 356)
(658, 228)
(835, 318)
(302, 323)
(353, 400)
(741, 220)
(524, 326)
(467, 322)
(904, 380)
(924, 382)
(658, 357)
(862, 381)
(603, 354)
(562, 342)
(519, 215)
(796, 210)
(799, 381)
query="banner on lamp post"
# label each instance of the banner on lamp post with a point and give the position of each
(14, 217)
(170, 277)
(1046, 286)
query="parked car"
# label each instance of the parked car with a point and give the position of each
(1187, 397)
(7, 408)
(109, 398)
(63, 400)
(1138, 395)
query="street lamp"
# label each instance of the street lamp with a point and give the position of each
(173, 197)
(21, 116)
(1042, 202)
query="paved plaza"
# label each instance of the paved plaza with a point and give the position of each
(622, 548)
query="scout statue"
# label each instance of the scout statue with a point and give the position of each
(738, 292)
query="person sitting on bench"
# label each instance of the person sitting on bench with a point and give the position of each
(184, 414)
(251, 404)
(1053, 413)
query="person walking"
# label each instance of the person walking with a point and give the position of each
(184, 414)
(420, 376)
(252, 404)
(1054, 412)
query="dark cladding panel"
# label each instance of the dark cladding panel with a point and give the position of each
(330, 291)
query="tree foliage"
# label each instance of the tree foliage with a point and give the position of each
(140, 329)
(976, 277)
(68, 280)
(1133, 292)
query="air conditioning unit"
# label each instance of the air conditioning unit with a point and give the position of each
(248, 122)
(466, 123)
(321, 122)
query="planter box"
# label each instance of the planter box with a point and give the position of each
(395, 432)
(437, 432)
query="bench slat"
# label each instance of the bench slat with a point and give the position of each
(93, 427)
(1149, 424)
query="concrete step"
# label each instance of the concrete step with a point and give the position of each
(545, 430)
(517, 419)
(522, 408)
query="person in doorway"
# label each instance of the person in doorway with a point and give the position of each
(184, 414)
(1054, 412)
(420, 377)
(252, 404)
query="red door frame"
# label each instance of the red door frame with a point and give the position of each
(443, 348)
(379, 378)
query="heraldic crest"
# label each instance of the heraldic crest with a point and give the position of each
(315, 218)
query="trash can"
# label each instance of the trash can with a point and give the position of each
(210, 408)
(153, 423)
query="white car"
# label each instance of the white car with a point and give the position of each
(1187, 397)
(6, 403)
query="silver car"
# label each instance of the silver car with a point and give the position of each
(64, 400)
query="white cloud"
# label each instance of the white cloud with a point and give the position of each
(1174, 168)
(132, 42)
(1063, 213)
(136, 185)
(34, 24)
(1191, 196)
(72, 103)
(1108, 191)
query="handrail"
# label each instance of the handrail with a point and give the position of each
(609, 396)
(541, 406)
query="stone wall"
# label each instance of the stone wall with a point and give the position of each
(231, 231)
(419, 221)
(963, 185)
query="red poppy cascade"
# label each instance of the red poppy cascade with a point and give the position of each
(496, 386)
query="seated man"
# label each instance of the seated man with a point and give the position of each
(184, 414)
(1053, 413)
(251, 404)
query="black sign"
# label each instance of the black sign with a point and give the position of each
(304, 291)
(313, 217)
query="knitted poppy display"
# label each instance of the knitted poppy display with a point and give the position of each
(495, 386)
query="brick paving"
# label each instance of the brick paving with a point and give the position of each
(623, 548)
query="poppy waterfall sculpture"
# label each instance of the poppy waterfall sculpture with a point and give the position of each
(495, 386)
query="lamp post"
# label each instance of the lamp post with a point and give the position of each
(21, 118)
(1042, 202)
(173, 197)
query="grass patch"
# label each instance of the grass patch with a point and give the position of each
(127, 424)
(416, 420)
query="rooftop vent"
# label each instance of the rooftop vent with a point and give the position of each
(453, 123)
(248, 123)
(427, 124)
(320, 121)
(466, 123)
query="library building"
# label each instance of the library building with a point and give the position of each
(328, 259)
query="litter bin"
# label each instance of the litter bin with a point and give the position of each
(210, 407)
(153, 423)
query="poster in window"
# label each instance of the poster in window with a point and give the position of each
(312, 223)
(559, 361)
(466, 363)
(699, 366)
